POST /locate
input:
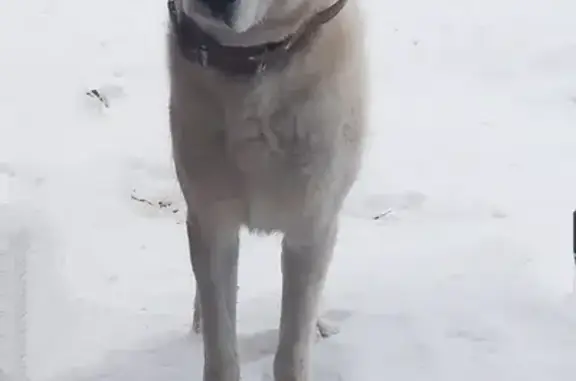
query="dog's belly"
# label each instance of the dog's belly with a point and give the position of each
(268, 216)
(274, 207)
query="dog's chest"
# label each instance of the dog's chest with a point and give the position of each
(266, 132)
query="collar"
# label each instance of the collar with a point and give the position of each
(199, 47)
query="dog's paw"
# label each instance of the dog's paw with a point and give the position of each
(325, 330)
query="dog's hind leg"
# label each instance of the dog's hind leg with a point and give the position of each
(306, 256)
(214, 245)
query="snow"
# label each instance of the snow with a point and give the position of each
(465, 273)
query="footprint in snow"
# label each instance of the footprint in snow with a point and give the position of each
(153, 189)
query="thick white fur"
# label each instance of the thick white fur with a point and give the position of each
(277, 152)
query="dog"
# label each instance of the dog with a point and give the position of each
(267, 119)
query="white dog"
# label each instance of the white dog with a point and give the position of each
(267, 116)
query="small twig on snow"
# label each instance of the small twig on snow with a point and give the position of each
(94, 93)
(382, 215)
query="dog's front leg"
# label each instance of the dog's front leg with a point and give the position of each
(306, 256)
(323, 329)
(214, 253)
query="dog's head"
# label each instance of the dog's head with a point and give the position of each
(241, 15)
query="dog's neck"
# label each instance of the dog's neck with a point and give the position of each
(268, 30)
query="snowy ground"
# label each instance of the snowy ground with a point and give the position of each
(467, 275)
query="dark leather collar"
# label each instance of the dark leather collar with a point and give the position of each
(201, 48)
